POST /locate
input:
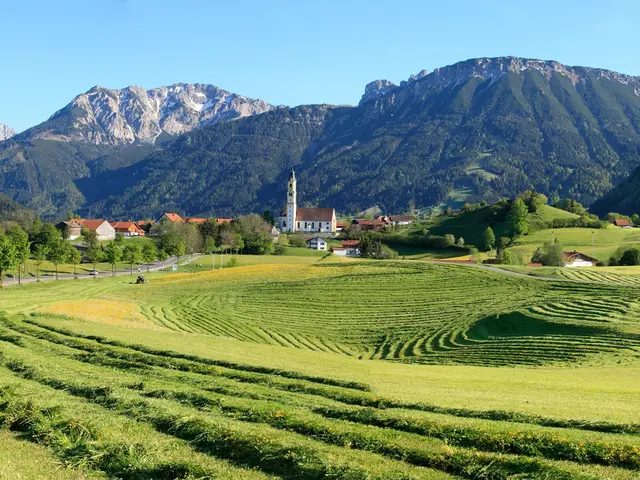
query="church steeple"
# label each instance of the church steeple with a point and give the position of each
(291, 202)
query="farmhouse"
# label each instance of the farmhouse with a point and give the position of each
(128, 229)
(197, 220)
(577, 259)
(294, 219)
(369, 224)
(348, 248)
(317, 243)
(103, 229)
(170, 217)
(72, 226)
(401, 220)
(623, 223)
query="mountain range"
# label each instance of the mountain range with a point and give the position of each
(478, 129)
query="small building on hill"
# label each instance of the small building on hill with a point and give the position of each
(370, 225)
(623, 223)
(401, 220)
(103, 229)
(73, 227)
(317, 243)
(171, 217)
(577, 259)
(128, 229)
(348, 248)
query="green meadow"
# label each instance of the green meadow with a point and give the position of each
(306, 368)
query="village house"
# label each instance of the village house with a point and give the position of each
(577, 259)
(294, 219)
(72, 226)
(623, 223)
(317, 243)
(103, 229)
(348, 248)
(400, 220)
(197, 220)
(128, 229)
(371, 225)
(170, 217)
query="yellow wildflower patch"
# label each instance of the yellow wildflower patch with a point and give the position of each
(111, 312)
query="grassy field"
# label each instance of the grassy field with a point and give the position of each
(317, 369)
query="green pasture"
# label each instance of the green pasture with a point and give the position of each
(322, 369)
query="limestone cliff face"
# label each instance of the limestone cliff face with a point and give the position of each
(135, 115)
(6, 132)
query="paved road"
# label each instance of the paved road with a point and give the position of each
(152, 267)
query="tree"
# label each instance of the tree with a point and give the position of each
(297, 241)
(631, 256)
(113, 254)
(94, 255)
(460, 242)
(90, 238)
(46, 235)
(550, 255)
(488, 239)
(517, 218)
(74, 259)
(149, 253)
(635, 218)
(239, 243)
(209, 245)
(268, 217)
(255, 234)
(20, 240)
(554, 199)
(119, 238)
(449, 239)
(504, 257)
(58, 253)
(39, 255)
(132, 254)
(8, 256)
(162, 256)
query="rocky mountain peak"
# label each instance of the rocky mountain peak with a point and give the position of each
(6, 132)
(494, 68)
(377, 89)
(135, 115)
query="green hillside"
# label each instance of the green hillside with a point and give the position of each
(471, 224)
(625, 198)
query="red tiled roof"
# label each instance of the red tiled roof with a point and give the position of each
(623, 222)
(224, 220)
(341, 224)
(350, 243)
(126, 227)
(315, 214)
(174, 217)
(197, 220)
(90, 224)
(338, 248)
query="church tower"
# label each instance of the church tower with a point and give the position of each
(291, 202)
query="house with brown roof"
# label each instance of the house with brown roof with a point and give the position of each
(128, 229)
(348, 248)
(577, 259)
(623, 223)
(103, 229)
(371, 225)
(224, 220)
(72, 226)
(294, 219)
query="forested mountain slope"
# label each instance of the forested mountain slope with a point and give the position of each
(484, 128)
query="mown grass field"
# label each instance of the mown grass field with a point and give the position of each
(351, 370)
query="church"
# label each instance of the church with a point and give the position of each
(294, 219)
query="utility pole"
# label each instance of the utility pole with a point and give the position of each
(221, 257)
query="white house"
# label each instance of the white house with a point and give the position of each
(294, 219)
(349, 248)
(317, 243)
(103, 229)
(577, 259)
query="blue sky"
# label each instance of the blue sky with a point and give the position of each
(286, 52)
